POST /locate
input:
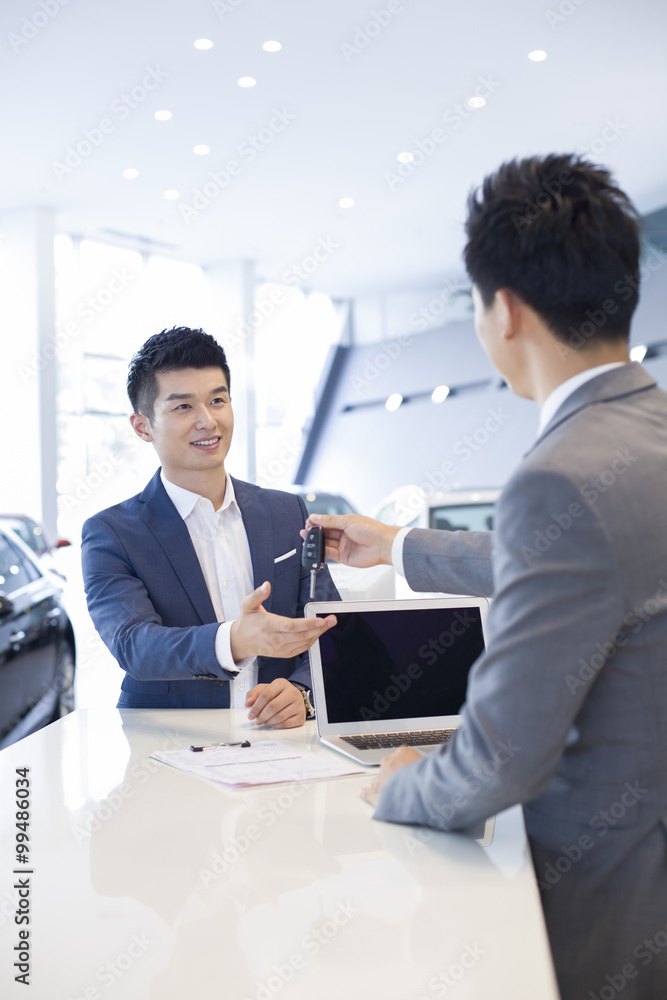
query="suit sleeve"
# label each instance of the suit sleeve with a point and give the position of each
(449, 562)
(127, 621)
(557, 596)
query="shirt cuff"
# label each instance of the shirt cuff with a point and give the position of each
(223, 650)
(397, 551)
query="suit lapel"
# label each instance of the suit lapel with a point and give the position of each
(166, 524)
(258, 525)
(614, 384)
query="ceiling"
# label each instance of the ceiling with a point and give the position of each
(348, 91)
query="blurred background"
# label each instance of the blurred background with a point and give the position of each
(292, 177)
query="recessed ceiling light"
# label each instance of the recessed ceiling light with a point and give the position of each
(537, 55)
(247, 81)
(172, 195)
(163, 116)
(272, 46)
(475, 102)
(440, 393)
(394, 401)
(201, 150)
(130, 173)
(203, 43)
(405, 157)
(346, 203)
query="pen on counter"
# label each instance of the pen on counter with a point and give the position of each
(211, 746)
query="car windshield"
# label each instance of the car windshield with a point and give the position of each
(466, 517)
(28, 532)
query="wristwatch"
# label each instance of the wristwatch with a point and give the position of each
(307, 699)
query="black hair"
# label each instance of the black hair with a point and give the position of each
(558, 232)
(168, 351)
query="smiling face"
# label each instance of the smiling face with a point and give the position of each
(192, 427)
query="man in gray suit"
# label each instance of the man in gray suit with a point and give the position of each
(566, 711)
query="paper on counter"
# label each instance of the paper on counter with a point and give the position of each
(265, 763)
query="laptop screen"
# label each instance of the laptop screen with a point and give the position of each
(399, 664)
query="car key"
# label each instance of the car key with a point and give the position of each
(312, 555)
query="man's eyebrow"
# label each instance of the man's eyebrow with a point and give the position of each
(189, 395)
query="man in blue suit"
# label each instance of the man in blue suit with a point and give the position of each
(198, 578)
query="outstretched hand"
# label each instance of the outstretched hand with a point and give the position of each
(257, 632)
(355, 540)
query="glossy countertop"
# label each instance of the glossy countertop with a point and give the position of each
(150, 884)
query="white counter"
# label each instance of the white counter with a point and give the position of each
(149, 884)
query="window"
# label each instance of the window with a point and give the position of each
(15, 570)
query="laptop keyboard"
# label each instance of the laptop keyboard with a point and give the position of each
(381, 741)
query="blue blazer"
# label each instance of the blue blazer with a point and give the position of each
(150, 604)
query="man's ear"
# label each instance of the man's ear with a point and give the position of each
(141, 426)
(505, 307)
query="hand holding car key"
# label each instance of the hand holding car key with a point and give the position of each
(312, 555)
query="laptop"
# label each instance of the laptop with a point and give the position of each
(393, 672)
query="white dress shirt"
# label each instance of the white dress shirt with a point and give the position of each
(549, 408)
(221, 543)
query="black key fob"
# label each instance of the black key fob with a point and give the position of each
(312, 553)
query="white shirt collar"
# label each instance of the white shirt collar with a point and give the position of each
(184, 500)
(555, 399)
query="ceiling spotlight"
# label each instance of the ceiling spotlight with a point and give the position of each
(130, 174)
(201, 150)
(537, 55)
(394, 401)
(247, 81)
(203, 43)
(163, 116)
(405, 157)
(638, 353)
(475, 102)
(346, 203)
(272, 46)
(440, 393)
(172, 195)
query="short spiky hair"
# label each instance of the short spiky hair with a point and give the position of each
(170, 351)
(558, 232)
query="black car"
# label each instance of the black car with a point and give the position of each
(37, 649)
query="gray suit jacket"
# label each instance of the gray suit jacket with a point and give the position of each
(567, 710)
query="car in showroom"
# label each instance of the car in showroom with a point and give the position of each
(452, 510)
(320, 501)
(37, 647)
(32, 533)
